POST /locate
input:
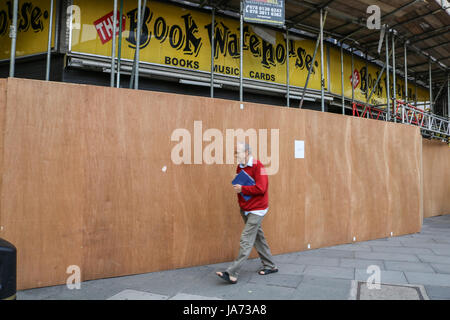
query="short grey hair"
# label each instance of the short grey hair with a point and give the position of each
(246, 146)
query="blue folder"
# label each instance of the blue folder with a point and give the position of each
(243, 179)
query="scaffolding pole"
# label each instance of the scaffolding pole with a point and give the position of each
(113, 49)
(309, 72)
(394, 82)
(415, 90)
(138, 43)
(49, 43)
(322, 80)
(378, 79)
(388, 96)
(13, 35)
(134, 71)
(406, 72)
(353, 88)
(287, 67)
(241, 58)
(119, 54)
(431, 87)
(367, 83)
(312, 61)
(439, 93)
(448, 95)
(342, 78)
(406, 81)
(212, 51)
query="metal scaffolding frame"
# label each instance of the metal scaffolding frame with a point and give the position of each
(49, 43)
(213, 24)
(119, 53)
(318, 41)
(113, 50)
(13, 36)
(287, 69)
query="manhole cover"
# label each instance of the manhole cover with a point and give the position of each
(361, 291)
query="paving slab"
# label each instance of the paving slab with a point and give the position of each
(317, 261)
(438, 292)
(186, 296)
(442, 252)
(39, 293)
(438, 225)
(429, 245)
(403, 236)
(435, 232)
(408, 266)
(167, 282)
(434, 237)
(330, 272)
(137, 295)
(441, 267)
(418, 243)
(321, 288)
(89, 290)
(276, 279)
(291, 268)
(352, 247)
(213, 286)
(383, 243)
(285, 258)
(442, 240)
(254, 291)
(402, 249)
(433, 279)
(386, 256)
(361, 263)
(327, 252)
(434, 258)
(396, 239)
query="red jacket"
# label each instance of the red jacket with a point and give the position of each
(259, 192)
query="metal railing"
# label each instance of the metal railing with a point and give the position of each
(431, 125)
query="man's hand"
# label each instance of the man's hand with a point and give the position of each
(237, 188)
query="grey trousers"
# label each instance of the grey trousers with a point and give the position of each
(252, 235)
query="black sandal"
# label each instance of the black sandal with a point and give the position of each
(226, 276)
(267, 271)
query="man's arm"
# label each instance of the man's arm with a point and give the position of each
(261, 183)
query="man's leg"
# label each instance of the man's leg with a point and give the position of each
(247, 241)
(263, 250)
(261, 246)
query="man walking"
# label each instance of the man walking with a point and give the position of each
(252, 212)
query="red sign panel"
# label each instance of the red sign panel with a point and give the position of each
(356, 79)
(104, 26)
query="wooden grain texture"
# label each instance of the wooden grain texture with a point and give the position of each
(43, 181)
(83, 181)
(127, 216)
(369, 194)
(404, 172)
(3, 83)
(328, 184)
(436, 177)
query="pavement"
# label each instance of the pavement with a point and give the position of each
(410, 267)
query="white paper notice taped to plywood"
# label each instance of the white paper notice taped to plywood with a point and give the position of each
(299, 149)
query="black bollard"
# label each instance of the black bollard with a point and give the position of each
(8, 272)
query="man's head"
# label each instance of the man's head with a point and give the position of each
(242, 152)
